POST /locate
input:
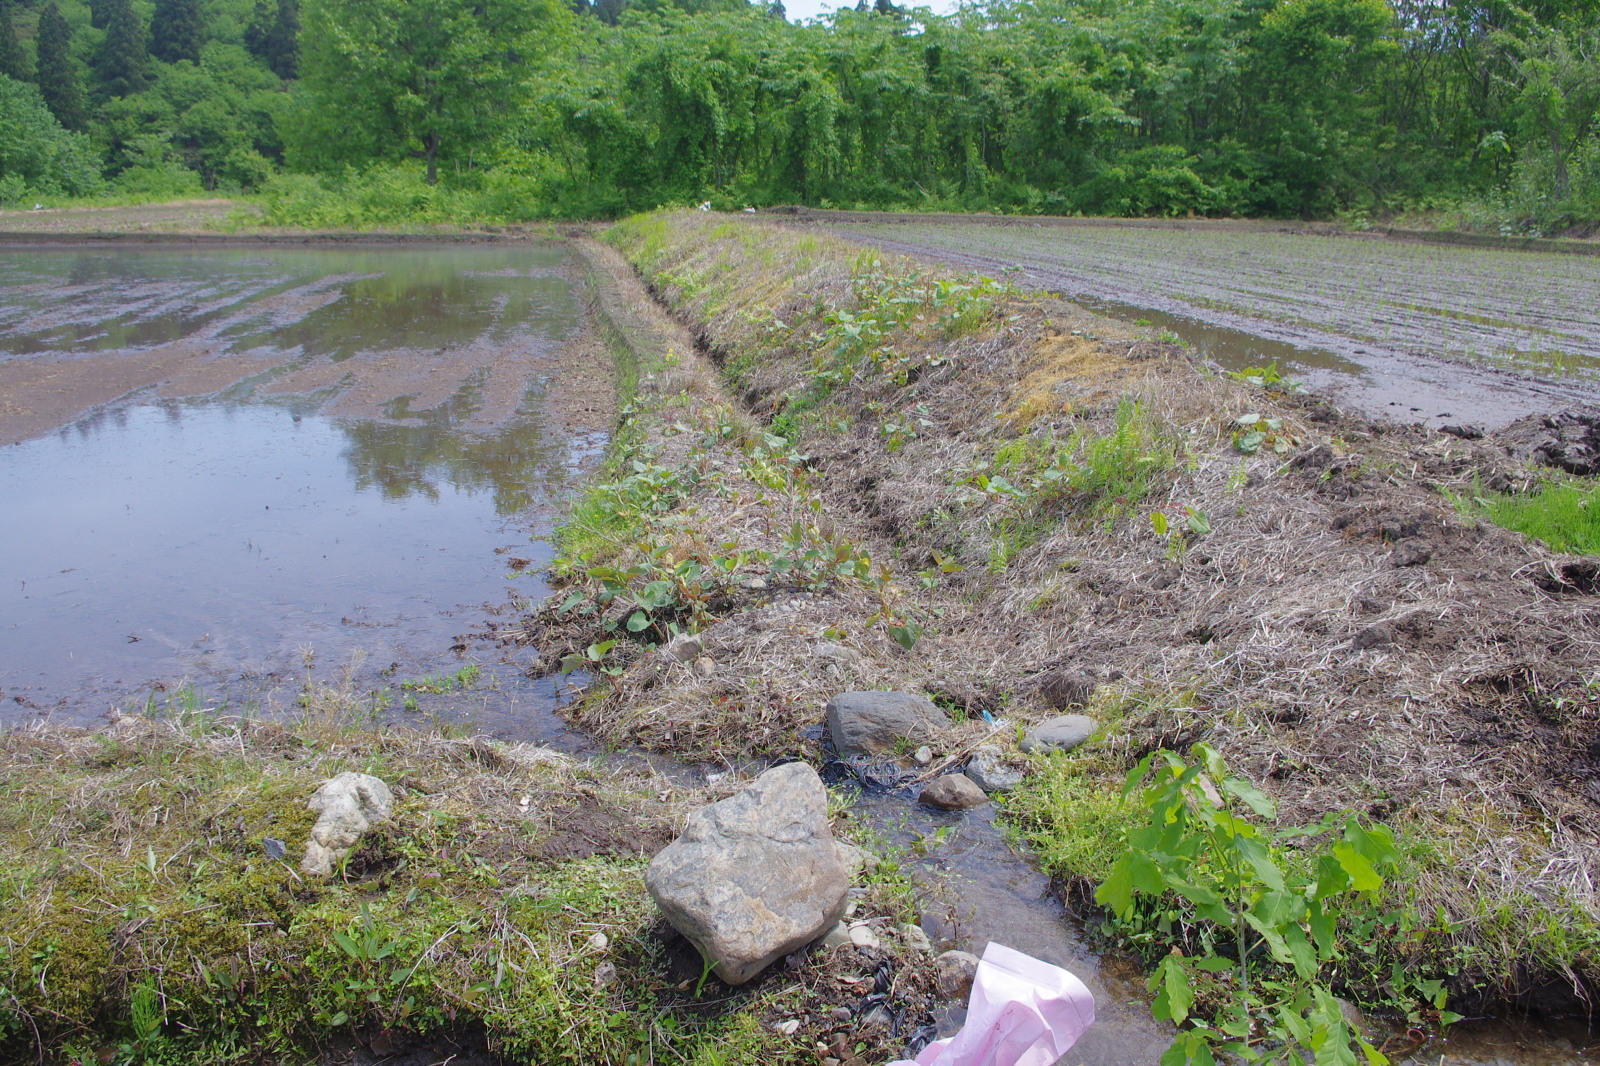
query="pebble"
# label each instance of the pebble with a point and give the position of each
(916, 939)
(605, 974)
(599, 942)
(862, 936)
(840, 1014)
(837, 937)
(953, 792)
(705, 666)
(788, 1028)
(924, 755)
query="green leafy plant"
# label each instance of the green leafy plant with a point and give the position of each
(1263, 376)
(1255, 431)
(1264, 906)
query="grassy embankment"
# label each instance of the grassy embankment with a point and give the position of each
(503, 906)
(933, 483)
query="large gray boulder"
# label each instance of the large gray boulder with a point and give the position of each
(346, 806)
(756, 876)
(1062, 733)
(866, 723)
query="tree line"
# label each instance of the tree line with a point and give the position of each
(538, 108)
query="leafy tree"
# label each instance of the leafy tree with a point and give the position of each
(36, 152)
(281, 47)
(123, 65)
(58, 76)
(13, 57)
(259, 28)
(426, 79)
(100, 12)
(178, 30)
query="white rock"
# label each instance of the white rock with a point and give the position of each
(916, 939)
(346, 806)
(862, 936)
(787, 1028)
(599, 941)
(924, 755)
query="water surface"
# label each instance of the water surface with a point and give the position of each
(264, 459)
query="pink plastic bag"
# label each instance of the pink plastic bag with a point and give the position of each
(1022, 1012)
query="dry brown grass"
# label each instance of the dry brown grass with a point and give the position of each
(1342, 634)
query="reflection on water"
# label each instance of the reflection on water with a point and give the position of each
(221, 539)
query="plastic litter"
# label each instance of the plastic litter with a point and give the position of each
(1022, 1012)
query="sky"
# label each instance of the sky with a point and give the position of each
(800, 10)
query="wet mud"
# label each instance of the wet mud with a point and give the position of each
(239, 475)
(1524, 339)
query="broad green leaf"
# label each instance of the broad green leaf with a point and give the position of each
(1331, 878)
(1175, 997)
(1274, 939)
(1322, 930)
(1158, 522)
(1198, 894)
(1301, 951)
(1116, 891)
(1213, 964)
(1363, 878)
(1255, 853)
(1374, 1056)
(1252, 796)
(638, 621)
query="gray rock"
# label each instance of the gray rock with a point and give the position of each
(276, 849)
(852, 858)
(1568, 440)
(956, 970)
(953, 792)
(865, 723)
(1062, 733)
(684, 647)
(346, 806)
(988, 770)
(755, 876)
(916, 939)
(837, 937)
(923, 756)
(838, 652)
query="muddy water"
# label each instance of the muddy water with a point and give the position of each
(233, 463)
(1496, 336)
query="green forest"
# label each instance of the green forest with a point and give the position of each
(370, 112)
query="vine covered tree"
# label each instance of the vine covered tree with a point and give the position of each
(123, 64)
(58, 77)
(177, 30)
(428, 79)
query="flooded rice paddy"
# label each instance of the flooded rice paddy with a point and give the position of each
(228, 470)
(1410, 331)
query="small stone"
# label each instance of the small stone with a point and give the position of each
(988, 770)
(605, 974)
(916, 939)
(684, 647)
(1352, 1016)
(839, 652)
(599, 942)
(786, 1028)
(276, 849)
(956, 970)
(852, 858)
(924, 755)
(953, 792)
(346, 807)
(756, 583)
(705, 666)
(877, 1018)
(840, 1014)
(862, 936)
(1062, 733)
(837, 937)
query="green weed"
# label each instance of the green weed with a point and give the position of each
(1564, 516)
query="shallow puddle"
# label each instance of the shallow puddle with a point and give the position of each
(266, 459)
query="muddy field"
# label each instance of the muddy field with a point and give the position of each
(1410, 331)
(241, 469)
